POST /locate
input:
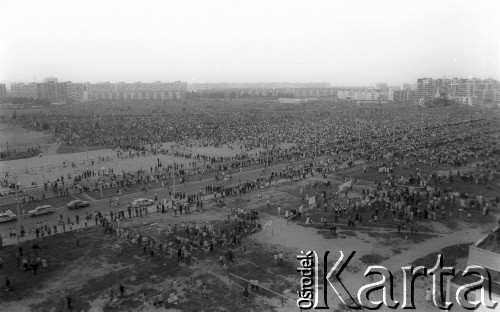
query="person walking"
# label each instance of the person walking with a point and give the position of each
(68, 301)
(7, 284)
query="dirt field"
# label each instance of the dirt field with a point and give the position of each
(85, 273)
(52, 166)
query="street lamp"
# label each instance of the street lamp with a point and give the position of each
(460, 221)
(87, 149)
(17, 206)
(267, 149)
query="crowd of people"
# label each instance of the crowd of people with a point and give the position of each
(464, 141)
(347, 134)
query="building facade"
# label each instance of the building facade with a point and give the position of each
(366, 95)
(3, 91)
(24, 90)
(405, 96)
(274, 89)
(55, 91)
(137, 91)
(406, 86)
(77, 91)
(382, 86)
(473, 91)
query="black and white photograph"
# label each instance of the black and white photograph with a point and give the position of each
(233, 156)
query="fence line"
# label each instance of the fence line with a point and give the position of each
(237, 280)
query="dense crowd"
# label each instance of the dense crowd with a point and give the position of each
(451, 135)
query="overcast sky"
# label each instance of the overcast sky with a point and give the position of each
(342, 42)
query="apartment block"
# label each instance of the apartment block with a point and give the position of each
(3, 91)
(56, 91)
(24, 90)
(468, 91)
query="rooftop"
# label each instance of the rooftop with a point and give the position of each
(491, 242)
(459, 279)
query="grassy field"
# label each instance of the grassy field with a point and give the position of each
(17, 137)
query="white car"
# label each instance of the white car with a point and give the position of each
(7, 216)
(142, 202)
(41, 210)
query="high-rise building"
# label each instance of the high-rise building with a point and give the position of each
(55, 91)
(50, 79)
(271, 89)
(137, 91)
(51, 90)
(406, 86)
(405, 96)
(467, 91)
(24, 90)
(77, 92)
(427, 88)
(382, 86)
(3, 91)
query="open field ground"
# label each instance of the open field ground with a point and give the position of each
(88, 271)
(358, 184)
(16, 137)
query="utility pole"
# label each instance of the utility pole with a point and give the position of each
(18, 214)
(87, 149)
(173, 179)
(315, 144)
(267, 149)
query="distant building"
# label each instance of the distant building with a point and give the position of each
(406, 86)
(50, 79)
(77, 92)
(273, 89)
(481, 91)
(258, 85)
(464, 100)
(137, 91)
(427, 88)
(24, 90)
(51, 90)
(3, 91)
(366, 95)
(290, 101)
(55, 91)
(345, 95)
(382, 86)
(405, 96)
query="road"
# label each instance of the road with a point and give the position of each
(103, 205)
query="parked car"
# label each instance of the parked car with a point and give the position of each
(76, 204)
(7, 216)
(41, 210)
(142, 202)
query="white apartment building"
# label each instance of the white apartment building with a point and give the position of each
(24, 90)
(137, 90)
(480, 91)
